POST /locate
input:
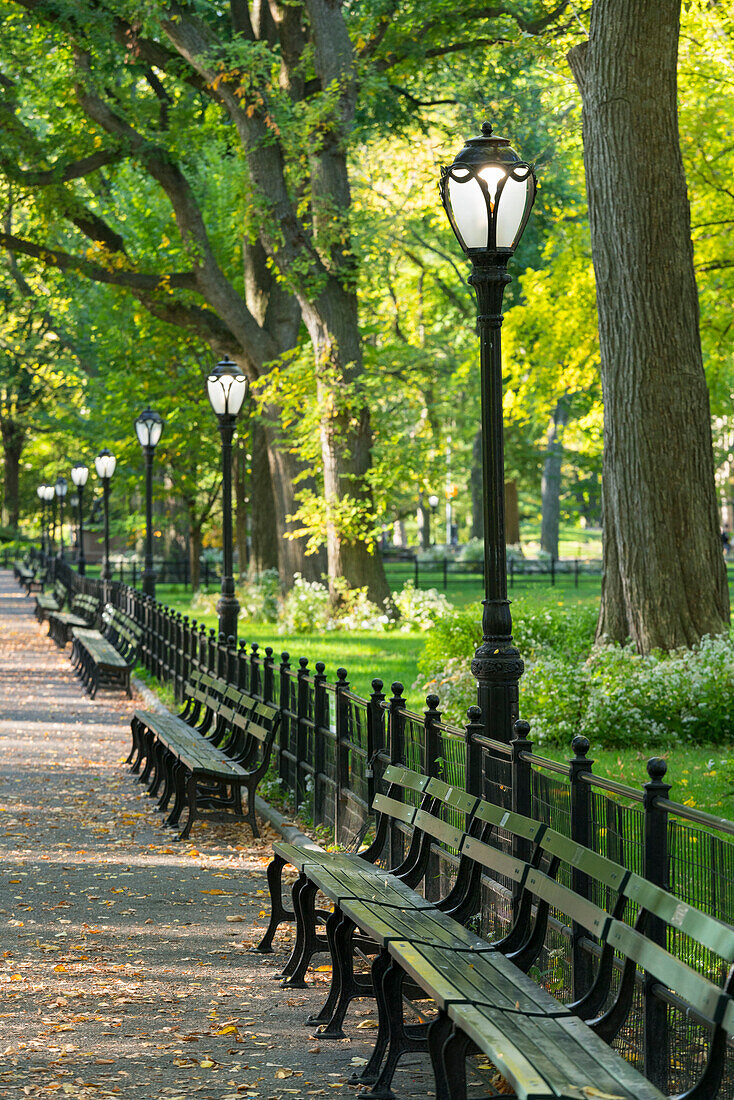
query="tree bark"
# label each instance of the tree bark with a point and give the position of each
(285, 468)
(265, 541)
(477, 491)
(195, 548)
(423, 517)
(550, 483)
(239, 484)
(512, 514)
(663, 570)
(13, 438)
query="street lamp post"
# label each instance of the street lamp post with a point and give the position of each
(227, 387)
(41, 490)
(488, 193)
(49, 495)
(79, 475)
(61, 490)
(148, 428)
(104, 464)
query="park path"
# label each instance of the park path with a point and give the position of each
(125, 968)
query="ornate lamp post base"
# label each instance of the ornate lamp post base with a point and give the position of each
(228, 609)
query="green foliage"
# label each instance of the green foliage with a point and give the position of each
(610, 694)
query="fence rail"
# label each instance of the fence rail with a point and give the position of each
(334, 745)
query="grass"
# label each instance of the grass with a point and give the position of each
(701, 775)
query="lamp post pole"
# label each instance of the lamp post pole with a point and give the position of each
(106, 570)
(228, 606)
(40, 491)
(61, 488)
(227, 388)
(79, 475)
(497, 664)
(488, 194)
(105, 463)
(49, 496)
(148, 428)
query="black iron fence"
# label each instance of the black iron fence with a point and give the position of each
(443, 572)
(333, 748)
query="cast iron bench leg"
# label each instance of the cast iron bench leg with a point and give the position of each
(278, 913)
(295, 971)
(191, 799)
(179, 788)
(327, 1010)
(300, 884)
(400, 1041)
(438, 1034)
(371, 1071)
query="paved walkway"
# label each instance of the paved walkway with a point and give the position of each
(125, 971)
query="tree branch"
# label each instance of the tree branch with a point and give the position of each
(211, 282)
(60, 173)
(64, 261)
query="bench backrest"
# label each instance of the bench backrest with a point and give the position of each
(122, 632)
(627, 895)
(242, 726)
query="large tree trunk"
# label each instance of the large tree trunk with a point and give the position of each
(346, 440)
(550, 483)
(285, 468)
(477, 490)
(195, 547)
(512, 514)
(13, 438)
(664, 579)
(239, 484)
(264, 551)
(423, 517)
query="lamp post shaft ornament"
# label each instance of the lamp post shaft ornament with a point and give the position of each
(488, 193)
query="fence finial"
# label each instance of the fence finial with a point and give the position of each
(377, 685)
(580, 746)
(303, 662)
(521, 730)
(320, 668)
(341, 675)
(656, 768)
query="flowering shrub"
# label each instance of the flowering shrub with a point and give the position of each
(260, 597)
(420, 608)
(305, 607)
(608, 693)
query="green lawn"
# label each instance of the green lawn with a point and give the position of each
(701, 775)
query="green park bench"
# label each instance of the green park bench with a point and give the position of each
(204, 757)
(485, 999)
(106, 658)
(48, 602)
(29, 576)
(82, 614)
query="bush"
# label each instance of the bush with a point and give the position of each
(608, 693)
(305, 607)
(471, 551)
(260, 597)
(420, 608)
